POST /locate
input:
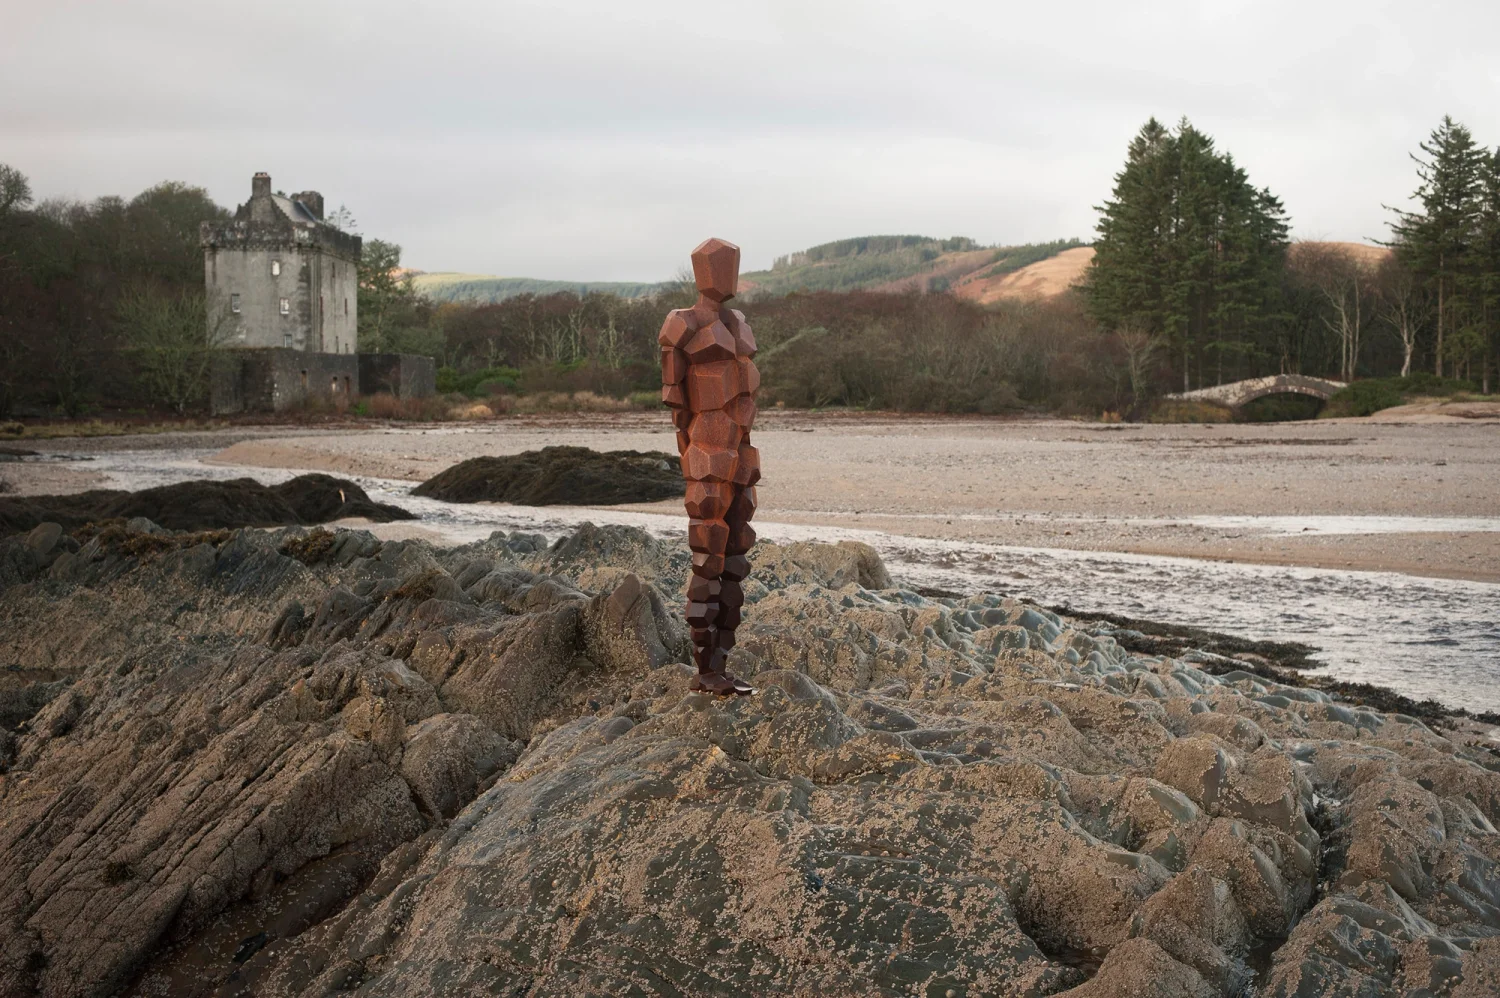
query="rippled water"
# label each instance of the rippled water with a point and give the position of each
(1426, 638)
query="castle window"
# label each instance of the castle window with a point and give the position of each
(275, 268)
(286, 306)
(234, 303)
(286, 339)
(346, 306)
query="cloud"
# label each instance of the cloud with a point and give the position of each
(599, 141)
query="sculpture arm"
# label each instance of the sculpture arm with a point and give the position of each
(674, 363)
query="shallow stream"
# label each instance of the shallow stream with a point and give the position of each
(1426, 638)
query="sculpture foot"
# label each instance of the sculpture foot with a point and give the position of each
(721, 684)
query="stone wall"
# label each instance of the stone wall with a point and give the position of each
(277, 378)
(403, 375)
(250, 267)
(274, 379)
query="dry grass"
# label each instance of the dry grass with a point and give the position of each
(1043, 279)
(1174, 411)
(115, 538)
(570, 402)
(101, 428)
(473, 410)
(386, 406)
(311, 548)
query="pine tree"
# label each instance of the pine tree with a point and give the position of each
(1437, 243)
(1487, 262)
(1125, 282)
(1188, 250)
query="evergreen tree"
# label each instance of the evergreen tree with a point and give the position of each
(1188, 250)
(1487, 263)
(1438, 242)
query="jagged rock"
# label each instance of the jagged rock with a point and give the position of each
(630, 628)
(200, 505)
(834, 565)
(1194, 919)
(1139, 968)
(574, 476)
(447, 756)
(291, 764)
(1197, 767)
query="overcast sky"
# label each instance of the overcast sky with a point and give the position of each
(601, 141)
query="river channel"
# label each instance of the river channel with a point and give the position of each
(1424, 637)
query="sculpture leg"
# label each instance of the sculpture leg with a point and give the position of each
(708, 503)
(736, 562)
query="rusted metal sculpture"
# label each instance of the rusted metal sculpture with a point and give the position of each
(709, 382)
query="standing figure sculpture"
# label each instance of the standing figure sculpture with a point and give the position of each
(709, 382)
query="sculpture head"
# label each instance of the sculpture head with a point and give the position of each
(716, 269)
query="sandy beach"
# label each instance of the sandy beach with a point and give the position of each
(1181, 490)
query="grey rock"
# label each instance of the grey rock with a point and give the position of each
(407, 770)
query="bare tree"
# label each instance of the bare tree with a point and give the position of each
(1343, 281)
(175, 338)
(15, 190)
(1139, 345)
(1404, 306)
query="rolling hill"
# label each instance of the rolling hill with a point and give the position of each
(984, 274)
(484, 288)
(1042, 279)
(1368, 255)
(895, 263)
(875, 263)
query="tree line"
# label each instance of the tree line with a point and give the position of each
(1197, 280)
(102, 302)
(910, 351)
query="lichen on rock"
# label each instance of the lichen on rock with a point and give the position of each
(251, 763)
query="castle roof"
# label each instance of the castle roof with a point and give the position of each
(295, 211)
(268, 220)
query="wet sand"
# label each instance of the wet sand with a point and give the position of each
(1031, 483)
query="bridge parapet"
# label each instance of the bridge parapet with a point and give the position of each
(1241, 393)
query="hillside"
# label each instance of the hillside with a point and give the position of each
(876, 263)
(483, 288)
(894, 263)
(1043, 279)
(1369, 255)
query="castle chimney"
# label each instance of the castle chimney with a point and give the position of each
(313, 201)
(260, 185)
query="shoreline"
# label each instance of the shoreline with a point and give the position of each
(1033, 483)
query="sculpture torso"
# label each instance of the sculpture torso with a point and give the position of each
(715, 394)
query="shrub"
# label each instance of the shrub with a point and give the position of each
(1280, 408)
(646, 399)
(477, 384)
(1374, 394)
(569, 402)
(1363, 398)
(433, 408)
(1177, 411)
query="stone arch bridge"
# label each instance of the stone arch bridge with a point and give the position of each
(1240, 393)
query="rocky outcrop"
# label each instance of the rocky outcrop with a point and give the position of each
(575, 476)
(202, 505)
(293, 764)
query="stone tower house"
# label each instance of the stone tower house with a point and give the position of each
(283, 276)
